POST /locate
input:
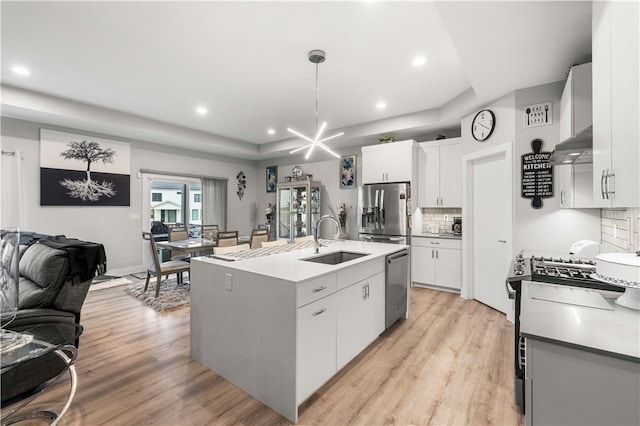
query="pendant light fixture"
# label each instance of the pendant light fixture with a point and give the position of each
(316, 57)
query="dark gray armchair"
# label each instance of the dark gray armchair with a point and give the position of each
(53, 285)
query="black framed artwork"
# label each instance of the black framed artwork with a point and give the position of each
(272, 178)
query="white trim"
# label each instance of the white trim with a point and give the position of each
(466, 291)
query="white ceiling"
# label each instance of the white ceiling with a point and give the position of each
(247, 63)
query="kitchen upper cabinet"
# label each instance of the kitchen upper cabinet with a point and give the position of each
(360, 315)
(389, 162)
(440, 173)
(575, 181)
(436, 262)
(616, 104)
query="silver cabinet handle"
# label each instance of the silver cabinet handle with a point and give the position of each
(434, 242)
(606, 185)
(502, 241)
(315, 290)
(432, 256)
(436, 254)
(364, 292)
(602, 184)
(321, 311)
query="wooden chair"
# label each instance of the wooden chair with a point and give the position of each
(274, 243)
(157, 268)
(227, 238)
(210, 232)
(230, 249)
(178, 233)
(258, 236)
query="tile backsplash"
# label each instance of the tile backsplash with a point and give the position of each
(620, 230)
(437, 216)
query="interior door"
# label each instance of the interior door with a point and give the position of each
(491, 230)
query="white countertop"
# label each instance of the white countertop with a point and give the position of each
(289, 266)
(444, 235)
(615, 331)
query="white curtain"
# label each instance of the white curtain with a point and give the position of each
(214, 199)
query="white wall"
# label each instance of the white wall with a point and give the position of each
(550, 228)
(117, 228)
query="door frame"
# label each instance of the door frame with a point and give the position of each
(506, 149)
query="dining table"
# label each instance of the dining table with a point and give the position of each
(191, 246)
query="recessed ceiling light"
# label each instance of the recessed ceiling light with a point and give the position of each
(271, 131)
(419, 61)
(381, 105)
(21, 70)
(201, 110)
(574, 153)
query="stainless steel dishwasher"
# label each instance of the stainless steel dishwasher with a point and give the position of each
(396, 287)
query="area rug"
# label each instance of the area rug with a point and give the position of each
(172, 295)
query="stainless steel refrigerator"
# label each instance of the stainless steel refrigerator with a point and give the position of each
(384, 212)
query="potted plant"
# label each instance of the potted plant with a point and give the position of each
(386, 138)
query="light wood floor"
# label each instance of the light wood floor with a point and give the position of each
(450, 364)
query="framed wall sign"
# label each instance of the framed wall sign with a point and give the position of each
(272, 178)
(348, 172)
(537, 174)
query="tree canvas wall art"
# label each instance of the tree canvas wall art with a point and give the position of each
(77, 170)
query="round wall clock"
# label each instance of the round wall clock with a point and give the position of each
(483, 124)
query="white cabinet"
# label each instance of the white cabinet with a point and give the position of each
(360, 317)
(575, 181)
(616, 104)
(440, 173)
(389, 162)
(316, 346)
(436, 262)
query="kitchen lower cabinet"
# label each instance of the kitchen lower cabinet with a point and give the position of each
(616, 105)
(360, 317)
(567, 385)
(316, 342)
(436, 262)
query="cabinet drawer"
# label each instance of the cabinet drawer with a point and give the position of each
(353, 274)
(436, 242)
(309, 291)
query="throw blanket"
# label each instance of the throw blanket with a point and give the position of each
(86, 259)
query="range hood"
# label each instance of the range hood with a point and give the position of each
(577, 149)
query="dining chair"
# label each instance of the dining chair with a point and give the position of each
(227, 238)
(210, 232)
(157, 268)
(274, 243)
(303, 239)
(230, 249)
(258, 236)
(178, 233)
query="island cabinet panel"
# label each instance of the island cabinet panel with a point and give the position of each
(315, 289)
(316, 343)
(567, 385)
(360, 317)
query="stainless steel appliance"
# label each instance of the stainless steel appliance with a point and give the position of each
(383, 212)
(457, 225)
(553, 270)
(396, 286)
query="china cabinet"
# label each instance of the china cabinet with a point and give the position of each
(298, 208)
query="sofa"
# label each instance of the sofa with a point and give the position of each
(54, 277)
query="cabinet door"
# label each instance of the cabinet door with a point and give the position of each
(429, 176)
(399, 162)
(451, 175)
(564, 185)
(374, 165)
(448, 268)
(316, 346)
(360, 317)
(423, 266)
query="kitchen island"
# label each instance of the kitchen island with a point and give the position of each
(582, 356)
(280, 326)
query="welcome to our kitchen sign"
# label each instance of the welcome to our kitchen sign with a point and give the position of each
(537, 174)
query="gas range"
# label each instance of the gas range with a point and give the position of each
(577, 273)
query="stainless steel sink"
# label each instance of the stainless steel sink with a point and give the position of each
(335, 258)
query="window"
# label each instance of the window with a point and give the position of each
(197, 198)
(195, 214)
(156, 196)
(168, 216)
